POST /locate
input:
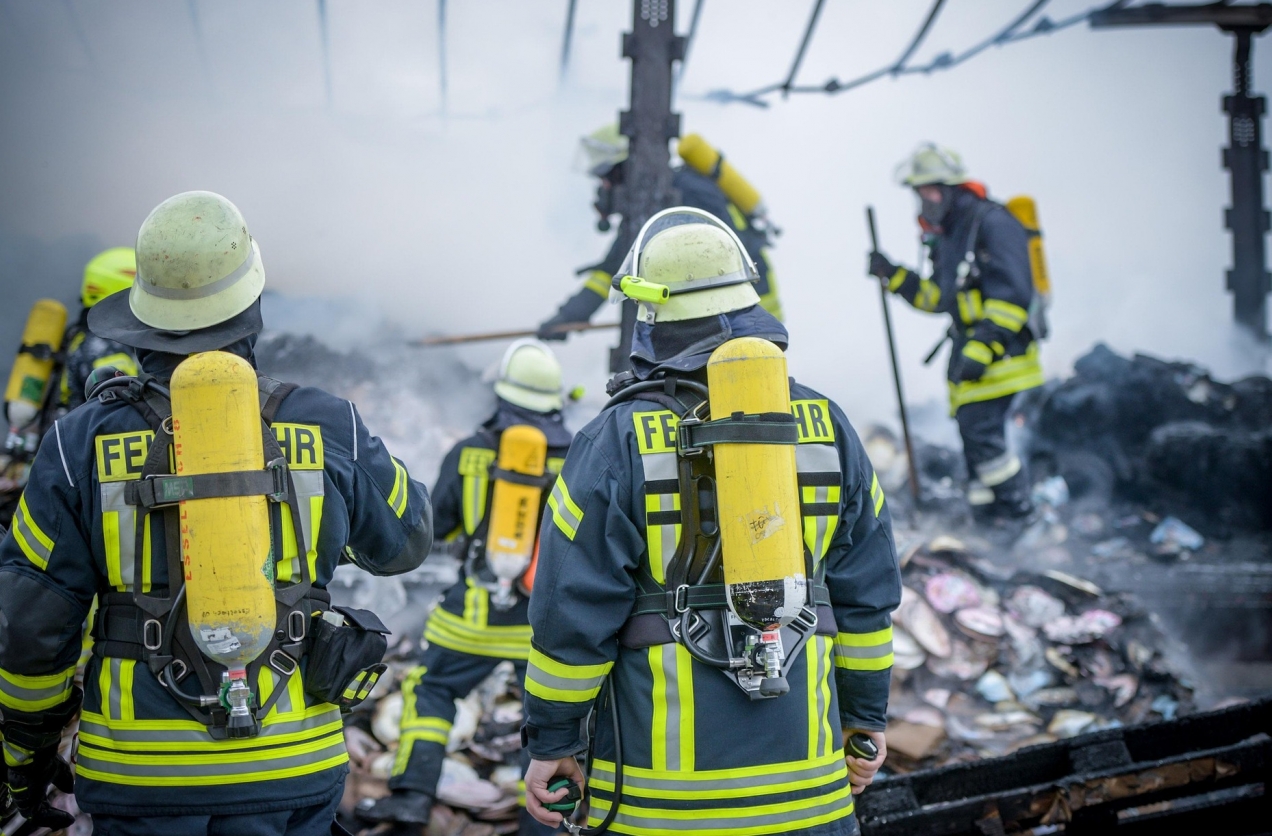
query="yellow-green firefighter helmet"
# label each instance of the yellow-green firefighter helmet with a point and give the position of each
(530, 376)
(932, 165)
(602, 149)
(197, 266)
(108, 272)
(686, 264)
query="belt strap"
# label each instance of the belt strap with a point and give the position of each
(765, 428)
(522, 478)
(158, 491)
(707, 596)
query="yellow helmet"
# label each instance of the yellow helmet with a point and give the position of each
(108, 272)
(603, 149)
(530, 376)
(932, 165)
(687, 264)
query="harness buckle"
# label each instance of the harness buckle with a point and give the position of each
(281, 662)
(807, 618)
(178, 674)
(278, 470)
(684, 437)
(297, 626)
(680, 599)
(151, 627)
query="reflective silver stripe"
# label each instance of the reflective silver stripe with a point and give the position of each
(563, 506)
(775, 777)
(820, 523)
(828, 808)
(676, 694)
(105, 737)
(820, 459)
(15, 755)
(113, 501)
(23, 527)
(817, 458)
(232, 764)
(561, 683)
(874, 652)
(998, 469)
(115, 698)
(709, 282)
(661, 539)
(817, 649)
(353, 417)
(21, 691)
(57, 430)
(202, 291)
(309, 484)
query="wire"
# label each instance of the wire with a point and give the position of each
(918, 38)
(568, 37)
(441, 51)
(803, 45)
(1007, 35)
(324, 32)
(693, 30)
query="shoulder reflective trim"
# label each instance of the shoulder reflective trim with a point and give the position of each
(548, 679)
(998, 469)
(401, 482)
(655, 431)
(448, 630)
(66, 468)
(353, 421)
(876, 493)
(1003, 377)
(818, 667)
(567, 516)
(33, 542)
(782, 817)
(713, 784)
(928, 296)
(121, 456)
(673, 726)
(864, 651)
(35, 693)
(813, 422)
(1012, 317)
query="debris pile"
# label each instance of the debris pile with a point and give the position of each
(989, 660)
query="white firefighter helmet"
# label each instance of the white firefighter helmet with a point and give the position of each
(932, 165)
(197, 266)
(530, 376)
(687, 264)
(602, 149)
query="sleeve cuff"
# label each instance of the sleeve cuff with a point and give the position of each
(549, 743)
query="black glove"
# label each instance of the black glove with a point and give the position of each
(972, 362)
(28, 784)
(549, 329)
(880, 266)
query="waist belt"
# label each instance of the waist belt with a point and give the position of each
(648, 624)
(120, 628)
(707, 596)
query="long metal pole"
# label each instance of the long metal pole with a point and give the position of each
(896, 367)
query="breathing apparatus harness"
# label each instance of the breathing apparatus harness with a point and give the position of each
(152, 629)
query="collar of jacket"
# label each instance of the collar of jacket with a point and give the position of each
(160, 364)
(686, 346)
(551, 423)
(963, 205)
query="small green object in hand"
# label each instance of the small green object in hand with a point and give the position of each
(566, 805)
(863, 747)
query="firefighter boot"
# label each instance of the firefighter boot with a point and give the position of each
(1011, 502)
(404, 806)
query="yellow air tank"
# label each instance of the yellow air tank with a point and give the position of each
(225, 541)
(705, 160)
(762, 546)
(29, 379)
(515, 506)
(1026, 211)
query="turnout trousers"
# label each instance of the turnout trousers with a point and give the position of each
(997, 481)
(316, 820)
(429, 693)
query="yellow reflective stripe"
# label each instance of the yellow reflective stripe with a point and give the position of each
(928, 295)
(401, 488)
(598, 281)
(186, 736)
(864, 651)
(33, 542)
(673, 727)
(876, 493)
(1009, 316)
(812, 665)
(978, 351)
(146, 560)
(718, 784)
(549, 679)
(661, 540)
(449, 629)
(15, 755)
(477, 606)
(474, 467)
(315, 517)
(1004, 377)
(110, 537)
(159, 771)
(35, 693)
(898, 279)
(567, 516)
(289, 567)
(783, 817)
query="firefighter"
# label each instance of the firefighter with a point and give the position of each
(171, 740)
(640, 602)
(479, 622)
(981, 277)
(606, 153)
(108, 272)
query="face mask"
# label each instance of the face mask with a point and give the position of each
(934, 213)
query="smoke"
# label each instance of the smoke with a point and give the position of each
(409, 211)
